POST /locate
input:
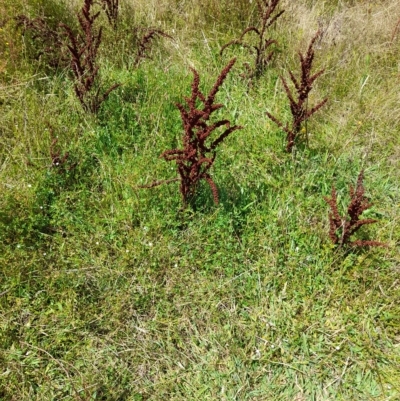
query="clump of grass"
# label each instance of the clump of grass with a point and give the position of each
(342, 228)
(197, 157)
(266, 15)
(83, 50)
(299, 103)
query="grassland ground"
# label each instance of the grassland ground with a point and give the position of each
(109, 291)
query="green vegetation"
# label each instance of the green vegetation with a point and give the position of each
(109, 291)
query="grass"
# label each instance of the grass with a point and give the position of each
(110, 292)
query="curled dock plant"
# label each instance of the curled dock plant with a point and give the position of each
(199, 151)
(83, 49)
(145, 42)
(59, 162)
(48, 42)
(342, 228)
(299, 101)
(111, 8)
(267, 16)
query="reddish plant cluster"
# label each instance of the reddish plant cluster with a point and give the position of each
(266, 10)
(50, 41)
(111, 8)
(197, 156)
(299, 103)
(83, 49)
(342, 228)
(59, 162)
(144, 44)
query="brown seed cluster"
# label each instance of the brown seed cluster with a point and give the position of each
(299, 103)
(266, 16)
(343, 227)
(198, 154)
(83, 50)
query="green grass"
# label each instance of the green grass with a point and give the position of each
(111, 292)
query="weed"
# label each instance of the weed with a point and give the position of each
(106, 294)
(48, 41)
(196, 158)
(84, 50)
(61, 163)
(266, 10)
(144, 44)
(111, 8)
(299, 105)
(342, 228)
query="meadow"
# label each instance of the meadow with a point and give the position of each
(114, 288)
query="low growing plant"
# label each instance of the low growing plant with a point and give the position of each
(83, 50)
(299, 103)
(198, 154)
(266, 16)
(342, 228)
